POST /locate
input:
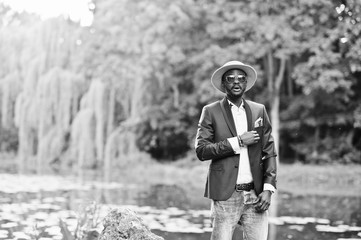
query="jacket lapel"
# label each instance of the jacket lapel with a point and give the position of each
(248, 114)
(252, 149)
(226, 110)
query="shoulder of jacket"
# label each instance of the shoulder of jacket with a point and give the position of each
(213, 104)
(254, 104)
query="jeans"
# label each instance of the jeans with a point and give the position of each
(239, 208)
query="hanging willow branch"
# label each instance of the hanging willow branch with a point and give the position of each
(10, 88)
(44, 115)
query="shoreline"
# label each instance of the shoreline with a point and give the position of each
(190, 174)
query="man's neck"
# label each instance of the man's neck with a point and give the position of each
(236, 101)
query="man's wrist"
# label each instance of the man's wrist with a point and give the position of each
(269, 187)
(240, 141)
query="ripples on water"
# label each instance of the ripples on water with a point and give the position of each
(34, 206)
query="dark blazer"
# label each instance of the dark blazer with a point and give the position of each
(216, 124)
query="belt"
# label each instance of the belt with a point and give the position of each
(244, 187)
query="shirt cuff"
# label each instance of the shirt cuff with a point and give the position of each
(269, 187)
(235, 145)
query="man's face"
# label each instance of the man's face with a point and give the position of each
(234, 82)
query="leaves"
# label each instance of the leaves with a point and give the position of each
(158, 58)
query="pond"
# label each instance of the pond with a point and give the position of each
(31, 207)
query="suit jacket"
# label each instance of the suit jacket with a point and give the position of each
(216, 124)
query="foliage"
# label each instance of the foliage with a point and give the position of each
(327, 150)
(87, 222)
(330, 86)
(9, 140)
(163, 137)
(141, 76)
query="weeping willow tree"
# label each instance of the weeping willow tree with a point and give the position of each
(10, 88)
(103, 129)
(120, 72)
(44, 115)
(89, 129)
(57, 94)
(81, 107)
(40, 88)
(61, 118)
(137, 62)
(12, 52)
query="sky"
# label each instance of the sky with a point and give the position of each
(77, 10)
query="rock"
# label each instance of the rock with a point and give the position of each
(92, 235)
(124, 224)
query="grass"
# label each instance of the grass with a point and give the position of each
(296, 178)
(335, 179)
(190, 174)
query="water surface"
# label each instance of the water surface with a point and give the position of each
(168, 210)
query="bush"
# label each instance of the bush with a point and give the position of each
(165, 142)
(328, 150)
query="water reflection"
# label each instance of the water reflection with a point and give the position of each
(338, 209)
(170, 212)
(299, 217)
(164, 196)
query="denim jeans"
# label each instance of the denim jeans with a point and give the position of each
(240, 207)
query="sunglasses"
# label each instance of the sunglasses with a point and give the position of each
(232, 78)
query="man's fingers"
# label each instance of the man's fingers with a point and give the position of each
(265, 205)
(256, 136)
(262, 206)
(250, 137)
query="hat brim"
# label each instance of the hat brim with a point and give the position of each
(250, 71)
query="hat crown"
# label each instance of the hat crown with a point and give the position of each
(233, 63)
(216, 78)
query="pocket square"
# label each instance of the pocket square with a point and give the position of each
(258, 122)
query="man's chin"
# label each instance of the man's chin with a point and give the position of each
(237, 93)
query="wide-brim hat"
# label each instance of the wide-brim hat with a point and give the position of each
(250, 71)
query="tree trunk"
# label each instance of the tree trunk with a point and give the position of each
(275, 120)
(270, 72)
(316, 138)
(175, 95)
(111, 152)
(275, 111)
(111, 110)
(289, 79)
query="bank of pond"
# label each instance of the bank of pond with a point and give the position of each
(33, 208)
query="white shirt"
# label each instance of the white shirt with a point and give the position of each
(244, 169)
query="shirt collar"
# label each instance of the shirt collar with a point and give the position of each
(232, 104)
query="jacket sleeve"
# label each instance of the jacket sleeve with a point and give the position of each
(268, 152)
(206, 147)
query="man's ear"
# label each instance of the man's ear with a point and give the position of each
(222, 86)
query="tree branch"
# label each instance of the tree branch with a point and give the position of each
(281, 74)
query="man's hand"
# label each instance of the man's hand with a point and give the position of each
(263, 201)
(250, 138)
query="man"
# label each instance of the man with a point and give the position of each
(235, 134)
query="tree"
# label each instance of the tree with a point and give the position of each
(328, 79)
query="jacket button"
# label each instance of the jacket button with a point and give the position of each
(235, 166)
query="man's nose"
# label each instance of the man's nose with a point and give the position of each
(236, 81)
